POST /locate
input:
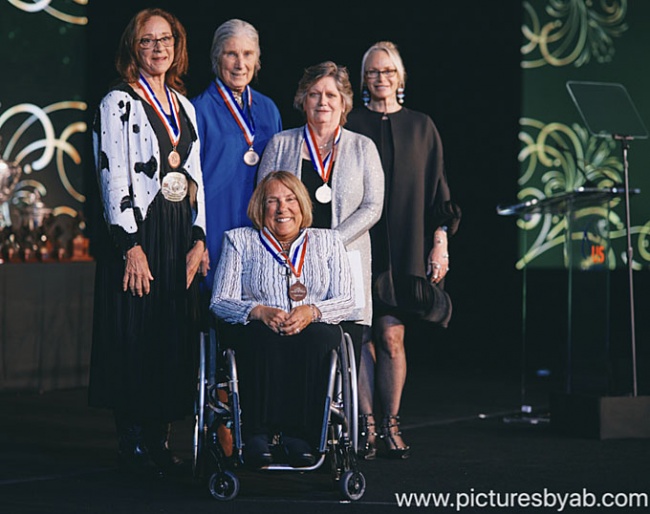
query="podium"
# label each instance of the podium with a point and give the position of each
(586, 407)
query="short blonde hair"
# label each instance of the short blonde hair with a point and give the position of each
(318, 71)
(257, 204)
(393, 54)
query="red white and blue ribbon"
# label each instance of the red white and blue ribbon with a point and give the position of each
(245, 122)
(174, 130)
(296, 257)
(322, 166)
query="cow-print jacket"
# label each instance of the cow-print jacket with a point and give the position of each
(128, 164)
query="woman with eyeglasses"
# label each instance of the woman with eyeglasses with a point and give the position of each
(409, 243)
(146, 291)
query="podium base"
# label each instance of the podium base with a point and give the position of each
(600, 417)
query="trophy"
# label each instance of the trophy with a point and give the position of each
(9, 174)
(33, 215)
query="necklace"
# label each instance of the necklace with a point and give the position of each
(238, 98)
(325, 145)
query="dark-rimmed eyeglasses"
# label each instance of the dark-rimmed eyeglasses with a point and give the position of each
(373, 74)
(147, 42)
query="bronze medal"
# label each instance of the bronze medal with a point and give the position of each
(297, 291)
(174, 159)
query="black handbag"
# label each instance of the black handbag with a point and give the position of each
(415, 295)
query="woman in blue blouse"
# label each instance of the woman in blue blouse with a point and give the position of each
(234, 124)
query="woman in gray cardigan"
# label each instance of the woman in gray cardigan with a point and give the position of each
(342, 171)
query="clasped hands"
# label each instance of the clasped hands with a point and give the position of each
(283, 322)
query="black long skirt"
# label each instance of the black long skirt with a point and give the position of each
(143, 354)
(283, 379)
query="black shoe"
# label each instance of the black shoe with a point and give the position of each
(367, 437)
(390, 429)
(137, 462)
(168, 464)
(257, 453)
(156, 439)
(133, 456)
(299, 452)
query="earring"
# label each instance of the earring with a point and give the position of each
(365, 95)
(400, 95)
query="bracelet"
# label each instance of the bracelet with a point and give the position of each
(436, 239)
(315, 313)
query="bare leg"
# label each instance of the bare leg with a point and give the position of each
(367, 378)
(390, 370)
(367, 424)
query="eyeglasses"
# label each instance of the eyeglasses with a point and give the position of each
(373, 74)
(148, 43)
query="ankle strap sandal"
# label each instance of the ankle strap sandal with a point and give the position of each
(393, 449)
(367, 434)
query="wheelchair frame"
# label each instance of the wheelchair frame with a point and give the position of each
(338, 441)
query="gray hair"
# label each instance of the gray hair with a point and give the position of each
(393, 54)
(227, 30)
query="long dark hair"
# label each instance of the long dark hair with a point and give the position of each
(126, 61)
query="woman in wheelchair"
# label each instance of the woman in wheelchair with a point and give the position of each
(282, 287)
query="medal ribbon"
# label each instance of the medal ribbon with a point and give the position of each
(245, 124)
(322, 167)
(296, 258)
(174, 132)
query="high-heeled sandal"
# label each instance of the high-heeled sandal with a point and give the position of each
(393, 450)
(367, 437)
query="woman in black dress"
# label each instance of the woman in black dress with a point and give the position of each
(409, 242)
(146, 293)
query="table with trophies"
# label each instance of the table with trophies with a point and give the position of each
(46, 292)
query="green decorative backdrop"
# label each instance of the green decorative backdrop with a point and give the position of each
(42, 102)
(581, 40)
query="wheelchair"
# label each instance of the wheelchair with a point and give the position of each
(217, 440)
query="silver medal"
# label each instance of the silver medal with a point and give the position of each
(251, 158)
(324, 194)
(174, 186)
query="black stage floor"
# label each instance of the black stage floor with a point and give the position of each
(58, 456)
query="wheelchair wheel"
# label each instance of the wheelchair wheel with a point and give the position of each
(223, 485)
(199, 411)
(352, 485)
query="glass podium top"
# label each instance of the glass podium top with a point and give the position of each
(564, 202)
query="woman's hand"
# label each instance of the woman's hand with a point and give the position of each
(298, 319)
(438, 262)
(137, 275)
(193, 261)
(205, 263)
(270, 316)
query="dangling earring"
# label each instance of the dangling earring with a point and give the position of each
(400, 95)
(365, 95)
